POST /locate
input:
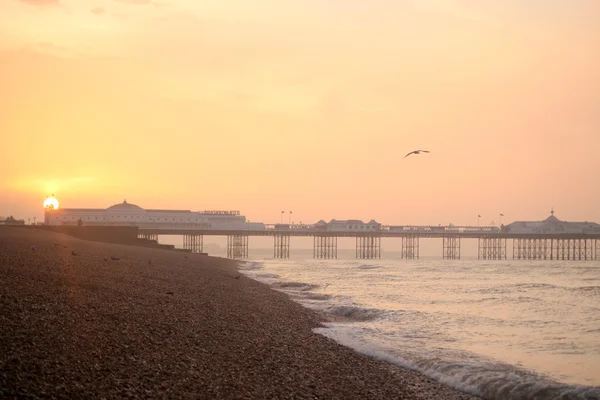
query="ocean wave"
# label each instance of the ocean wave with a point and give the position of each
(367, 266)
(589, 290)
(267, 275)
(354, 313)
(249, 265)
(490, 381)
(492, 290)
(502, 381)
(313, 296)
(516, 286)
(520, 300)
(294, 286)
(481, 300)
(535, 286)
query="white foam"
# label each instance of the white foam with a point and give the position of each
(249, 265)
(353, 312)
(492, 381)
(311, 296)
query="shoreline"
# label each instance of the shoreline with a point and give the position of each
(92, 319)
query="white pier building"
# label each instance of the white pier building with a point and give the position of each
(127, 214)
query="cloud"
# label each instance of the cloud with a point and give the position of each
(41, 2)
(98, 10)
(136, 2)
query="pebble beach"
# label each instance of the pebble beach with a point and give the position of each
(82, 319)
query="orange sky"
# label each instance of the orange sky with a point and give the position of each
(307, 106)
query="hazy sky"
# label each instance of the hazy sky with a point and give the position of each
(303, 105)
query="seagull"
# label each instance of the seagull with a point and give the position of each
(416, 152)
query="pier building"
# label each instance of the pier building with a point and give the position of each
(128, 214)
(552, 225)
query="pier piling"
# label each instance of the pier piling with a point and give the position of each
(451, 245)
(576, 249)
(194, 243)
(237, 246)
(368, 247)
(325, 246)
(410, 247)
(281, 246)
(491, 248)
(148, 236)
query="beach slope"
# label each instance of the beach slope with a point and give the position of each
(85, 319)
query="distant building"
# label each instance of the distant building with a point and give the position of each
(12, 221)
(350, 225)
(552, 225)
(127, 214)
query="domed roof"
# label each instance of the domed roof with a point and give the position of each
(124, 206)
(552, 218)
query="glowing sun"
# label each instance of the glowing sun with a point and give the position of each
(51, 203)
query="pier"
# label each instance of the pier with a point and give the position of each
(550, 239)
(490, 245)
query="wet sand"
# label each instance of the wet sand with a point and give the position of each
(83, 319)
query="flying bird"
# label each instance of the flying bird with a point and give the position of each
(416, 152)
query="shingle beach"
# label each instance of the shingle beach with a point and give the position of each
(82, 319)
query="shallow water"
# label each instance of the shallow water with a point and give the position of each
(501, 329)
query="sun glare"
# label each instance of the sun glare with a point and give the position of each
(51, 203)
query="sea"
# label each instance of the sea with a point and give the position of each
(498, 329)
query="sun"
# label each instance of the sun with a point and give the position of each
(51, 203)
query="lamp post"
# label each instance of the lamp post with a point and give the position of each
(281, 219)
(290, 218)
(478, 216)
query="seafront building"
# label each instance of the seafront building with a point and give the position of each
(128, 214)
(552, 225)
(11, 221)
(348, 225)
